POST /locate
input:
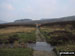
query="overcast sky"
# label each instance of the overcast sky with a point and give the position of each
(11, 10)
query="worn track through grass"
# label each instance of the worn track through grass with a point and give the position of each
(41, 38)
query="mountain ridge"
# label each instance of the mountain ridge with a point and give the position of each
(30, 21)
(69, 18)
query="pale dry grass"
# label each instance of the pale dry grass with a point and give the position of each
(50, 29)
(16, 29)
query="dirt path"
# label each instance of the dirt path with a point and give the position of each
(43, 53)
(40, 38)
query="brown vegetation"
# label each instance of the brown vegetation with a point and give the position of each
(9, 30)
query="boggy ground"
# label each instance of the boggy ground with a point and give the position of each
(61, 36)
(20, 34)
(13, 41)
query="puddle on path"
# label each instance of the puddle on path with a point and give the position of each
(41, 46)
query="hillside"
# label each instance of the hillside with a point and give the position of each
(29, 21)
(24, 20)
(69, 18)
(43, 21)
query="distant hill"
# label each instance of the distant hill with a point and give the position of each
(69, 18)
(23, 20)
(42, 21)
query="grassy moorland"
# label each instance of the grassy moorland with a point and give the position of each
(16, 52)
(13, 41)
(20, 34)
(10, 30)
(61, 36)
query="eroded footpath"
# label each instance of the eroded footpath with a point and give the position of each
(42, 48)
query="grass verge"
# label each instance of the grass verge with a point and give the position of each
(16, 52)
